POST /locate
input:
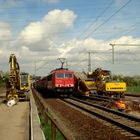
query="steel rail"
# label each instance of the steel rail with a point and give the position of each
(100, 98)
(106, 97)
(130, 129)
(131, 117)
(133, 95)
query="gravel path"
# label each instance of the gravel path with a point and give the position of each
(14, 121)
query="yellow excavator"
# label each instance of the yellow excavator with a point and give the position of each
(105, 85)
(18, 85)
(99, 82)
(84, 85)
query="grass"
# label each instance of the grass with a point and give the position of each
(133, 89)
(46, 127)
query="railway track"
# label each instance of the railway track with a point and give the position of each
(100, 98)
(132, 94)
(100, 119)
(128, 124)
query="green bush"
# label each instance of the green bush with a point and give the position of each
(47, 130)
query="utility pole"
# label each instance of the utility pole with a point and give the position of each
(112, 52)
(35, 69)
(120, 45)
(89, 61)
(124, 44)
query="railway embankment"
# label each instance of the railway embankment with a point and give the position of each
(77, 123)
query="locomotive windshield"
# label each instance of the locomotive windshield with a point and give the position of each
(60, 75)
(68, 75)
(64, 75)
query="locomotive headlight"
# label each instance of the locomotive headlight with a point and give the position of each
(71, 85)
(57, 85)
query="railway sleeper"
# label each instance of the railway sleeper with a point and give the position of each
(134, 138)
(120, 130)
(126, 133)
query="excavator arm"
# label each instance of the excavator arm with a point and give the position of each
(14, 78)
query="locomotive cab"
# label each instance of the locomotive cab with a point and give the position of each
(64, 81)
(24, 85)
(61, 81)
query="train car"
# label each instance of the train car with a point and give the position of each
(40, 84)
(59, 81)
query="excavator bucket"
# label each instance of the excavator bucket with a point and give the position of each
(85, 86)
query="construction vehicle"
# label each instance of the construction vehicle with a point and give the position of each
(99, 82)
(105, 85)
(84, 85)
(15, 86)
(25, 85)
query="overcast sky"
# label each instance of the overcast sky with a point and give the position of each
(39, 32)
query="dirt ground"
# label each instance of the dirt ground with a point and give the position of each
(81, 125)
(14, 120)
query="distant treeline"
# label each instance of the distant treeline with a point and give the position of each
(3, 77)
(130, 80)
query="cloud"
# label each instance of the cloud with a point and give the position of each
(32, 33)
(42, 32)
(5, 36)
(126, 40)
(5, 31)
(40, 42)
(76, 52)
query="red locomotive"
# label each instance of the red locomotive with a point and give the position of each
(60, 81)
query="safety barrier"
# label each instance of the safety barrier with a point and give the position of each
(48, 115)
(36, 132)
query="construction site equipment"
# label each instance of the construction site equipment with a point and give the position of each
(14, 79)
(120, 105)
(84, 85)
(25, 85)
(105, 85)
(99, 82)
(11, 103)
(15, 88)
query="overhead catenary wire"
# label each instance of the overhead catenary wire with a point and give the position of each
(97, 18)
(109, 18)
(113, 45)
(127, 30)
(20, 21)
(117, 11)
